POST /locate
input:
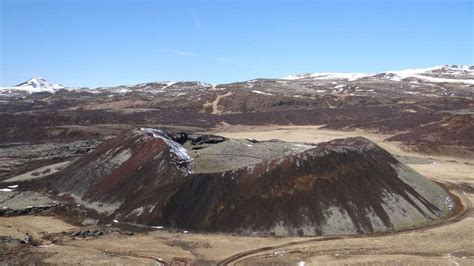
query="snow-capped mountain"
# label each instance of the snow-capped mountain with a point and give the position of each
(322, 76)
(446, 73)
(34, 85)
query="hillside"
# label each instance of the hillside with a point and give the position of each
(345, 186)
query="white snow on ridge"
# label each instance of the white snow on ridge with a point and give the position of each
(420, 73)
(136, 87)
(295, 76)
(179, 151)
(260, 92)
(441, 80)
(169, 84)
(112, 90)
(443, 68)
(413, 71)
(348, 76)
(328, 76)
(398, 75)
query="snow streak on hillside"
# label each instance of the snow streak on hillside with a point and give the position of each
(438, 74)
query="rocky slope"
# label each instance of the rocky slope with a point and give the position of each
(345, 186)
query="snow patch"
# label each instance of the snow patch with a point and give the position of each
(260, 92)
(328, 76)
(157, 226)
(121, 157)
(412, 92)
(300, 145)
(279, 252)
(169, 84)
(176, 149)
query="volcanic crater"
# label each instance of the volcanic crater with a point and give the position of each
(208, 183)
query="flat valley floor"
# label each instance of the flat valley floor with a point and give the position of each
(449, 243)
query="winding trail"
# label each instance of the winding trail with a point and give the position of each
(215, 103)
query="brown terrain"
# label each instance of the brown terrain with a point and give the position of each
(302, 170)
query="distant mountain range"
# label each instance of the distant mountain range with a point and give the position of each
(461, 74)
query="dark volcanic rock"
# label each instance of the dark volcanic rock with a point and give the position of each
(89, 233)
(452, 135)
(344, 186)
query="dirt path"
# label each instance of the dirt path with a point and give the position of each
(215, 103)
(246, 254)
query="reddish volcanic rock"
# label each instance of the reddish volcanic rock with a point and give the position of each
(126, 168)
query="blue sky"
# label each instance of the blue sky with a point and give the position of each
(105, 43)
